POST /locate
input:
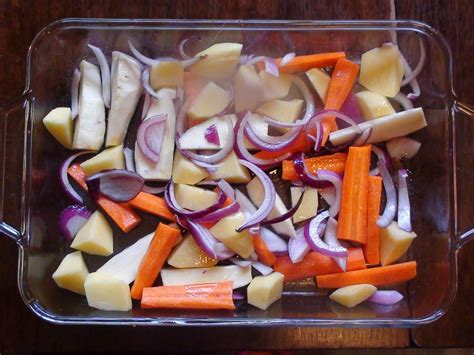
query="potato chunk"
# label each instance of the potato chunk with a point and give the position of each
(351, 296)
(95, 237)
(58, 122)
(72, 273)
(263, 291)
(107, 292)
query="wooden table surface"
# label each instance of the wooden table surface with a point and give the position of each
(21, 331)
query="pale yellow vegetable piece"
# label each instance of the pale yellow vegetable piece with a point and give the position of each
(108, 293)
(211, 100)
(381, 70)
(231, 170)
(275, 87)
(185, 171)
(351, 296)
(373, 105)
(72, 273)
(188, 254)
(280, 110)
(194, 198)
(95, 237)
(219, 62)
(309, 205)
(319, 79)
(110, 158)
(225, 231)
(58, 122)
(394, 243)
(248, 89)
(263, 291)
(166, 74)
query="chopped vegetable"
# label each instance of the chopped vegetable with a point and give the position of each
(371, 247)
(305, 62)
(351, 296)
(111, 158)
(226, 231)
(58, 122)
(334, 162)
(188, 254)
(264, 254)
(394, 243)
(95, 237)
(309, 204)
(320, 80)
(265, 290)
(402, 148)
(373, 105)
(72, 219)
(386, 297)
(152, 204)
(72, 273)
(117, 184)
(107, 292)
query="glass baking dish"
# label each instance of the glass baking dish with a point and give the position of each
(34, 197)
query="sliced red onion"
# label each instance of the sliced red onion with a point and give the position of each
(180, 95)
(403, 216)
(287, 214)
(206, 241)
(262, 268)
(298, 247)
(273, 241)
(411, 75)
(145, 77)
(183, 42)
(305, 176)
(104, 72)
(72, 219)
(404, 101)
(386, 297)
(211, 168)
(351, 108)
(129, 161)
(308, 98)
(227, 188)
(402, 148)
(382, 156)
(243, 59)
(247, 208)
(329, 148)
(287, 58)
(119, 185)
(328, 194)
(146, 105)
(65, 184)
(330, 239)
(270, 66)
(391, 197)
(231, 209)
(153, 190)
(363, 138)
(76, 79)
(269, 143)
(313, 232)
(269, 197)
(238, 295)
(240, 262)
(150, 136)
(332, 113)
(212, 135)
(336, 180)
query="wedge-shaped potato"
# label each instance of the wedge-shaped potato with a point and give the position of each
(283, 111)
(351, 296)
(211, 100)
(394, 243)
(231, 170)
(248, 89)
(194, 198)
(111, 158)
(71, 273)
(188, 254)
(95, 237)
(240, 276)
(225, 231)
(58, 122)
(381, 70)
(166, 74)
(256, 194)
(107, 292)
(263, 291)
(373, 105)
(185, 171)
(309, 205)
(275, 87)
(319, 79)
(219, 62)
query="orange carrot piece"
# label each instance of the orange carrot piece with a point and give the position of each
(334, 162)
(371, 248)
(352, 222)
(204, 296)
(152, 204)
(125, 218)
(317, 264)
(306, 62)
(340, 86)
(301, 144)
(264, 254)
(377, 276)
(160, 247)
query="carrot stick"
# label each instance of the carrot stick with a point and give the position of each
(306, 62)
(371, 248)
(352, 224)
(334, 162)
(264, 254)
(317, 264)
(160, 247)
(152, 204)
(383, 275)
(120, 213)
(204, 296)
(301, 144)
(340, 86)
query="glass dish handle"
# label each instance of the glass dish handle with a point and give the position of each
(10, 110)
(464, 116)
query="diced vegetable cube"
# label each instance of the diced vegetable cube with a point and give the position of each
(95, 237)
(166, 74)
(394, 243)
(188, 254)
(373, 105)
(194, 198)
(72, 273)
(111, 158)
(225, 231)
(309, 205)
(219, 62)
(58, 122)
(248, 89)
(263, 291)
(231, 170)
(275, 87)
(185, 171)
(284, 111)
(319, 79)
(351, 296)
(107, 292)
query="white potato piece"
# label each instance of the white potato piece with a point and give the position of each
(373, 105)
(211, 100)
(275, 87)
(231, 170)
(107, 293)
(403, 147)
(194, 198)
(71, 273)
(95, 237)
(240, 276)
(256, 194)
(186, 172)
(110, 158)
(381, 70)
(58, 122)
(188, 254)
(351, 296)
(220, 61)
(225, 231)
(283, 111)
(247, 89)
(384, 128)
(166, 74)
(89, 129)
(394, 243)
(263, 291)
(309, 205)
(126, 89)
(320, 80)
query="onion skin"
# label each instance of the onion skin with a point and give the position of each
(71, 219)
(391, 196)
(313, 232)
